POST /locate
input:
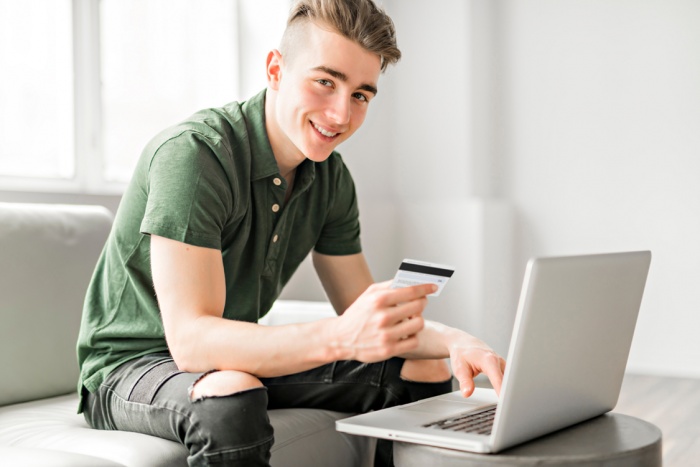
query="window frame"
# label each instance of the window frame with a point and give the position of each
(89, 175)
(87, 109)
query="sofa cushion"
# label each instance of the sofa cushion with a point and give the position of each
(33, 457)
(302, 437)
(47, 257)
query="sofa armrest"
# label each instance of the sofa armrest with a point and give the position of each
(297, 311)
(47, 257)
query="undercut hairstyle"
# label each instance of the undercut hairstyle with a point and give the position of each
(360, 21)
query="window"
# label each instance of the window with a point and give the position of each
(85, 84)
(178, 57)
(36, 90)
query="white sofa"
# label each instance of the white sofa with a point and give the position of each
(47, 255)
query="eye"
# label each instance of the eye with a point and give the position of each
(324, 82)
(360, 97)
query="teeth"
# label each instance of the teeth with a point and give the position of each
(324, 132)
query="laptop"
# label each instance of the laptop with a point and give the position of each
(567, 357)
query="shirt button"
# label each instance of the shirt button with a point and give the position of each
(275, 207)
(277, 181)
(275, 238)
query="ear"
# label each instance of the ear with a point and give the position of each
(274, 69)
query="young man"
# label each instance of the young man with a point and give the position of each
(220, 212)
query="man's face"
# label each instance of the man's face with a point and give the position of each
(323, 89)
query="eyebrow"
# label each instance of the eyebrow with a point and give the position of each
(343, 77)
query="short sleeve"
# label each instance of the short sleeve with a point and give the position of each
(189, 196)
(341, 232)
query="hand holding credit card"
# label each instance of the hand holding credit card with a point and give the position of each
(412, 272)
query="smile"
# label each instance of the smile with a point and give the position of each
(325, 133)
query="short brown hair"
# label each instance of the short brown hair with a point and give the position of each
(361, 21)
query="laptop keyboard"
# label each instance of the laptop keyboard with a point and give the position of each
(474, 422)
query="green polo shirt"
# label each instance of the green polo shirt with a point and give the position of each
(211, 181)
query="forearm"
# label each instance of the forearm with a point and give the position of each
(434, 341)
(468, 355)
(191, 289)
(211, 342)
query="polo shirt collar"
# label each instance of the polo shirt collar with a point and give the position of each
(263, 163)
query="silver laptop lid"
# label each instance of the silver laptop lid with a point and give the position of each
(572, 339)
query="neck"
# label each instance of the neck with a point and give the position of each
(289, 175)
(287, 160)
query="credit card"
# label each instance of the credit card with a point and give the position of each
(413, 272)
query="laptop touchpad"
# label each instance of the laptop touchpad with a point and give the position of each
(441, 407)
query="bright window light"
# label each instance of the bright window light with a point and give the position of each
(162, 60)
(85, 84)
(36, 89)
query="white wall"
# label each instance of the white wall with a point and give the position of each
(424, 174)
(441, 172)
(602, 118)
(583, 116)
(256, 41)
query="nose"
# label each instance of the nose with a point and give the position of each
(339, 109)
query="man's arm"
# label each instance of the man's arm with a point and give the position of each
(468, 355)
(190, 285)
(345, 277)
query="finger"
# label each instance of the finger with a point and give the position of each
(405, 345)
(408, 294)
(399, 313)
(407, 327)
(493, 369)
(464, 375)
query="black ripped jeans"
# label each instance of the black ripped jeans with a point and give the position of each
(150, 395)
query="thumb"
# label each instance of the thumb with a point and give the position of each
(466, 379)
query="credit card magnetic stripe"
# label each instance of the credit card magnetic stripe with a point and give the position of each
(412, 267)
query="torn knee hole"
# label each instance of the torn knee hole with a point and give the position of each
(222, 383)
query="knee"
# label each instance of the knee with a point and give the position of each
(229, 423)
(426, 371)
(223, 383)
